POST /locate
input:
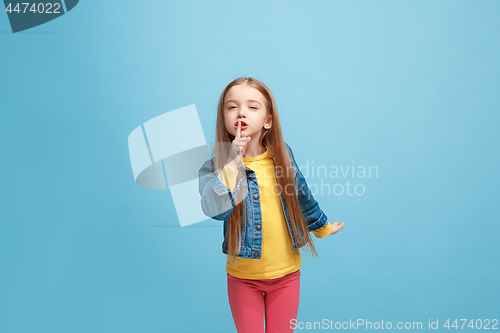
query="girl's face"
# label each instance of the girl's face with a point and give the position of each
(247, 104)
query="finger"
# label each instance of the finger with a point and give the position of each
(238, 130)
(243, 139)
(244, 142)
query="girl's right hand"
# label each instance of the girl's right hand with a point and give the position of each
(238, 148)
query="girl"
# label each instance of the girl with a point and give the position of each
(253, 184)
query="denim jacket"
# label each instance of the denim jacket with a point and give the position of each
(217, 202)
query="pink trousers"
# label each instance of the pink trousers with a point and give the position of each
(277, 299)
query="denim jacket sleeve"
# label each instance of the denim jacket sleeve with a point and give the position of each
(217, 200)
(313, 214)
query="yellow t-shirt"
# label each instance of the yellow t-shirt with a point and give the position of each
(279, 258)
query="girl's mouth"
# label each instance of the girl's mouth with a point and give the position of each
(242, 126)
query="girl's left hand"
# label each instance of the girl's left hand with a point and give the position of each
(337, 226)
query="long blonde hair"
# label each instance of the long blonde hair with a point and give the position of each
(273, 139)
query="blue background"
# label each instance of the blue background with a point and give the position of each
(409, 87)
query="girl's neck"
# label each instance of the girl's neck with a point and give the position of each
(255, 150)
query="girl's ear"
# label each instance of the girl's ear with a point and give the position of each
(268, 123)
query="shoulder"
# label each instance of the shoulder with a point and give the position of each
(208, 166)
(289, 149)
(292, 159)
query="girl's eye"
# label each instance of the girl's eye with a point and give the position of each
(232, 107)
(253, 107)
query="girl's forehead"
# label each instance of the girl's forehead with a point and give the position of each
(242, 92)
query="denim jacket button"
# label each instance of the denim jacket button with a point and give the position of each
(256, 196)
(258, 228)
(221, 191)
(256, 254)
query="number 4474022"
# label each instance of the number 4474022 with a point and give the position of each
(478, 324)
(40, 8)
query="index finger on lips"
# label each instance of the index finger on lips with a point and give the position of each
(238, 130)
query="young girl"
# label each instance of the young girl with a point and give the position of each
(254, 185)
